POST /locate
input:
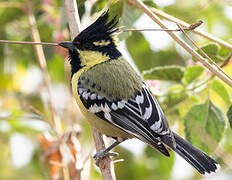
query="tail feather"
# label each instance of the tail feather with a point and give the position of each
(194, 156)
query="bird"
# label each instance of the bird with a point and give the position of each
(115, 100)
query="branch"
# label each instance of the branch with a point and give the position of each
(190, 50)
(204, 54)
(43, 65)
(197, 31)
(73, 17)
(29, 43)
(106, 165)
(189, 28)
(11, 5)
(184, 24)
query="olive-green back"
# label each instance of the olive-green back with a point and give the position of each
(113, 79)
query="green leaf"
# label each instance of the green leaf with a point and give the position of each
(229, 115)
(129, 15)
(144, 58)
(168, 73)
(115, 8)
(97, 6)
(204, 126)
(220, 89)
(192, 73)
(211, 50)
(8, 15)
(224, 52)
(150, 3)
(140, 51)
(81, 10)
(176, 94)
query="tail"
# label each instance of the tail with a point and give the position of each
(194, 156)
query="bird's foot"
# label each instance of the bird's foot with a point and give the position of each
(102, 154)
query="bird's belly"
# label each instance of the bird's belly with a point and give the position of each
(99, 124)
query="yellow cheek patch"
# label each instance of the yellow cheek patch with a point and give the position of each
(101, 43)
(90, 58)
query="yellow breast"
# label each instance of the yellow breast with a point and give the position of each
(90, 58)
(95, 122)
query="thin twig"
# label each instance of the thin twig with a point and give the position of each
(206, 56)
(184, 24)
(106, 165)
(189, 49)
(201, 84)
(73, 17)
(11, 5)
(212, 76)
(29, 43)
(56, 163)
(43, 65)
(190, 28)
(226, 61)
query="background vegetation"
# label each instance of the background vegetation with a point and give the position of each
(44, 136)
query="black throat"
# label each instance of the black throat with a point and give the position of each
(75, 62)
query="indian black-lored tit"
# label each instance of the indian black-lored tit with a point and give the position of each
(116, 101)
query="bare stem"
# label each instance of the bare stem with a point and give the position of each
(73, 17)
(205, 55)
(106, 165)
(189, 28)
(43, 65)
(11, 5)
(189, 49)
(197, 31)
(226, 61)
(28, 43)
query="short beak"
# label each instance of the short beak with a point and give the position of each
(67, 45)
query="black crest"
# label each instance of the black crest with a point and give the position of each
(101, 29)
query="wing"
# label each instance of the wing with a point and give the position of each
(140, 116)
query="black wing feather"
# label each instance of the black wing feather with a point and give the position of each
(136, 116)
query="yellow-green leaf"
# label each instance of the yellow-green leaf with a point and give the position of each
(168, 73)
(220, 89)
(192, 73)
(211, 50)
(204, 126)
(229, 115)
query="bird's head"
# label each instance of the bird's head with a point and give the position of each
(94, 44)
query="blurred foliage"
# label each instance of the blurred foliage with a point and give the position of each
(207, 121)
(192, 73)
(168, 73)
(229, 115)
(195, 102)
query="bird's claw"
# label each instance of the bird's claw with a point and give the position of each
(102, 154)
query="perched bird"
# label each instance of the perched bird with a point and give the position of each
(116, 101)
